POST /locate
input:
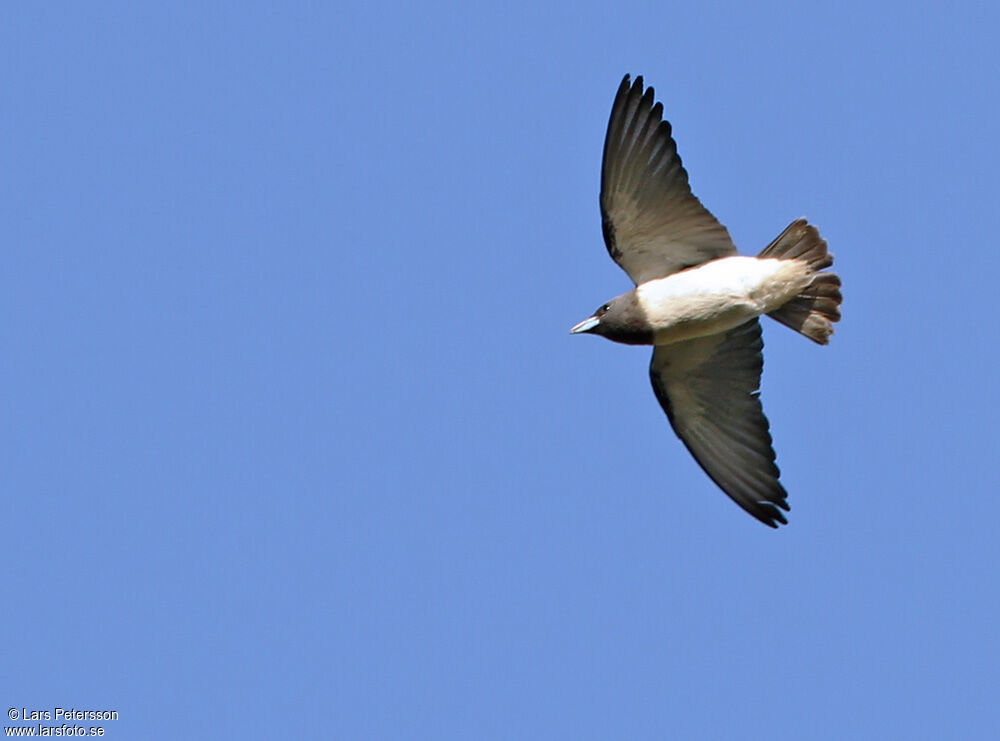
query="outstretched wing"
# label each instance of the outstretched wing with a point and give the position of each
(708, 386)
(653, 224)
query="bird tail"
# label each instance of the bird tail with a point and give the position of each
(813, 311)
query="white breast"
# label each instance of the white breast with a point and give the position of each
(719, 295)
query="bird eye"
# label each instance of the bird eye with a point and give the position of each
(604, 309)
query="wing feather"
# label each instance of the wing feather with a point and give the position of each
(709, 388)
(653, 225)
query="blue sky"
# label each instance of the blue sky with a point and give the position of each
(295, 440)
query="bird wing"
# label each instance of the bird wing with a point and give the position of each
(653, 224)
(708, 386)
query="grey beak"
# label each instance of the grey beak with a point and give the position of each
(586, 325)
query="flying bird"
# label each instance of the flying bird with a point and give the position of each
(698, 303)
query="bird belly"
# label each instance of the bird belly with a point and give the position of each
(718, 295)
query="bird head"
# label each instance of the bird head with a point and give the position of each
(621, 319)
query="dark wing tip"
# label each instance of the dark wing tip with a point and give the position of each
(768, 513)
(629, 85)
(638, 90)
(766, 510)
(625, 88)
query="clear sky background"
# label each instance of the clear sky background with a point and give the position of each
(295, 442)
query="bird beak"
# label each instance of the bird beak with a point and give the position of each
(587, 325)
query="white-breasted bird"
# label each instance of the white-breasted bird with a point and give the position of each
(698, 302)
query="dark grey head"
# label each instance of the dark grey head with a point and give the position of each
(621, 319)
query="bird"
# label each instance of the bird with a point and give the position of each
(698, 302)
